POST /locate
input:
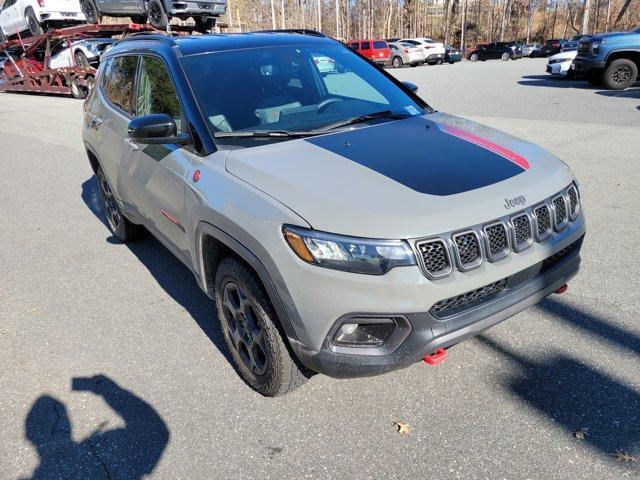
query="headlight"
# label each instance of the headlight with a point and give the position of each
(350, 254)
(595, 46)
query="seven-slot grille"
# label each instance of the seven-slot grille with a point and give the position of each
(498, 237)
(435, 257)
(468, 249)
(560, 212)
(497, 242)
(521, 231)
(543, 221)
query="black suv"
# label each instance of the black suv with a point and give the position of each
(157, 12)
(495, 50)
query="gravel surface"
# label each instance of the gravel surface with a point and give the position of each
(74, 303)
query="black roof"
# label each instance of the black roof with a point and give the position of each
(195, 44)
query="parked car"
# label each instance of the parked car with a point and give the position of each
(35, 16)
(326, 247)
(452, 54)
(434, 51)
(158, 12)
(405, 54)
(81, 53)
(375, 50)
(325, 64)
(495, 50)
(611, 59)
(551, 47)
(560, 63)
(530, 50)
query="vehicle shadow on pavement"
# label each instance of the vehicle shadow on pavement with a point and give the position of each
(633, 92)
(128, 452)
(171, 274)
(577, 397)
(555, 81)
(591, 324)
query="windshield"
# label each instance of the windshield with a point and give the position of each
(291, 88)
(636, 30)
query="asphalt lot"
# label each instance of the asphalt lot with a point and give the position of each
(74, 303)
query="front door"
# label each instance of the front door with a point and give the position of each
(160, 171)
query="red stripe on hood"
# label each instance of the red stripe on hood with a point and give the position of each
(487, 144)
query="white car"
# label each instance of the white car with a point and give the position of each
(82, 53)
(433, 51)
(324, 63)
(560, 63)
(17, 16)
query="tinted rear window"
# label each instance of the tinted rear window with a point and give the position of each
(364, 46)
(119, 80)
(380, 44)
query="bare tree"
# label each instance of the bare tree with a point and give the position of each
(623, 10)
(585, 17)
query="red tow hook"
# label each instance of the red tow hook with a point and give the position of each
(562, 289)
(436, 357)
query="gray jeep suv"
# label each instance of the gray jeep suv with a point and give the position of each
(157, 12)
(326, 248)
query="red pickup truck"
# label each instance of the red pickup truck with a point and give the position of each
(375, 50)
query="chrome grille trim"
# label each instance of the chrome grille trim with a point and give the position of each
(427, 264)
(560, 212)
(521, 231)
(470, 248)
(542, 221)
(491, 230)
(573, 201)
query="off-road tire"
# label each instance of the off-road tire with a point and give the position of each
(157, 16)
(32, 22)
(90, 10)
(204, 25)
(620, 74)
(141, 19)
(397, 62)
(250, 315)
(125, 230)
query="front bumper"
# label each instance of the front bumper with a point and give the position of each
(582, 65)
(558, 68)
(427, 333)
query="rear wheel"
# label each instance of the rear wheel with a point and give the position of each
(157, 16)
(77, 90)
(251, 332)
(505, 56)
(204, 25)
(141, 19)
(117, 223)
(474, 57)
(620, 74)
(397, 62)
(90, 10)
(32, 22)
(81, 59)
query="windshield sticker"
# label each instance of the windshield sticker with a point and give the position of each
(412, 110)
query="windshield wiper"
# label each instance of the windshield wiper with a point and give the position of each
(361, 119)
(261, 134)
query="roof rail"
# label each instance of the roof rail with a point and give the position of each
(158, 36)
(301, 31)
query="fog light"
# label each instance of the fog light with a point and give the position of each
(366, 333)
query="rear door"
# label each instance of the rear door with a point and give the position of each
(365, 49)
(380, 50)
(159, 172)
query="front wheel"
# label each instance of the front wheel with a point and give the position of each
(505, 56)
(81, 59)
(32, 22)
(141, 19)
(474, 57)
(90, 10)
(77, 91)
(396, 62)
(620, 74)
(116, 221)
(251, 332)
(157, 16)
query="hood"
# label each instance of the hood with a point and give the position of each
(401, 179)
(608, 36)
(561, 55)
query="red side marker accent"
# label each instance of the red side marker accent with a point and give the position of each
(487, 144)
(196, 175)
(562, 289)
(436, 357)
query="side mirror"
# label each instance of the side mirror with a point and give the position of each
(411, 86)
(156, 129)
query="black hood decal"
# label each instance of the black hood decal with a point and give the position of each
(428, 157)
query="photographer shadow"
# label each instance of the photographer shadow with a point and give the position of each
(127, 452)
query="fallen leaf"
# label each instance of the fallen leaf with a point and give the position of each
(581, 434)
(402, 427)
(624, 457)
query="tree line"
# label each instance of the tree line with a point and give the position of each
(456, 22)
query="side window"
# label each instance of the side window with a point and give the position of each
(118, 81)
(364, 46)
(355, 46)
(156, 93)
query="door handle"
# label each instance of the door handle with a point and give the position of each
(132, 145)
(96, 121)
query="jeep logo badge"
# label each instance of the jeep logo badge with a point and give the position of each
(512, 202)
